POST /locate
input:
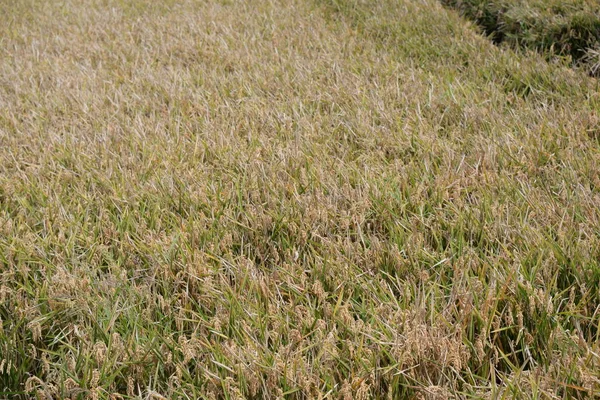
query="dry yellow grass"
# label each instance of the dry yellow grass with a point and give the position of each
(291, 199)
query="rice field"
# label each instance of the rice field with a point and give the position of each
(292, 199)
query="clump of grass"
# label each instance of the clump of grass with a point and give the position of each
(593, 59)
(556, 28)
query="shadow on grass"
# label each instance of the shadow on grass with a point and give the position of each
(552, 28)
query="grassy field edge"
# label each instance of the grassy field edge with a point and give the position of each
(555, 28)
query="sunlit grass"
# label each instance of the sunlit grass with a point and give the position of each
(291, 199)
